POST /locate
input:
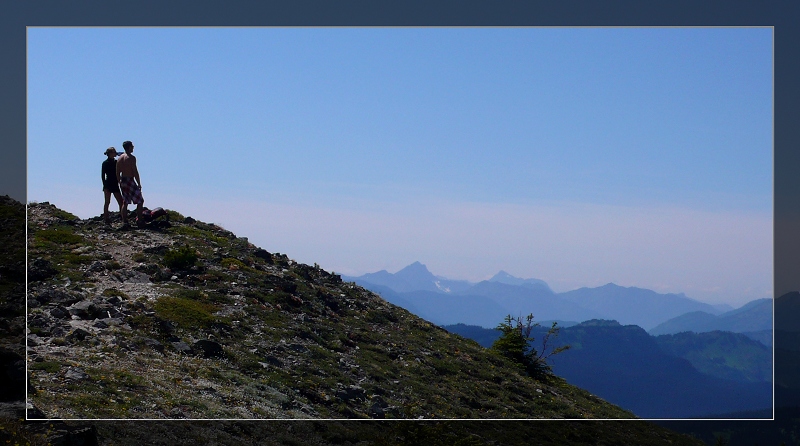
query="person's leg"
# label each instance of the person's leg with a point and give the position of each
(139, 220)
(118, 196)
(124, 212)
(105, 205)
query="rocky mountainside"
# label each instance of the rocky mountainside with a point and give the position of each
(54, 268)
(183, 319)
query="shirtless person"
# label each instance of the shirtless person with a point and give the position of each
(108, 174)
(131, 190)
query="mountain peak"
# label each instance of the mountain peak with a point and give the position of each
(416, 266)
(502, 275)
(416, 271)
(506, 278)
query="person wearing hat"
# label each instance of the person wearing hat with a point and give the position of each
(128, 177)
(110, 186)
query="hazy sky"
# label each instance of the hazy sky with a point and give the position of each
(579, 156)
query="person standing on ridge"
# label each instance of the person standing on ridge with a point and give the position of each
(129, 182)
(110, 185)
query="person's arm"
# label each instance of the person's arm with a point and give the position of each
(103, 174)
(136, 174)
(119, 171)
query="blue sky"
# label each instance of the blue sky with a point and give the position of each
(579, 156)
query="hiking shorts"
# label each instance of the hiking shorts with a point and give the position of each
(131, 193)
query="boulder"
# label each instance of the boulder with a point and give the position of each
(76, 374)
(154, 344)
(96, 267)
(182, 347)
(59, 312)
(34, 413)
(40, 269)
(84, 310)
(207, 349)
(351, 393)
(57, 297)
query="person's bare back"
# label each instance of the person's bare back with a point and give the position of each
(126, 167)
(129, 183)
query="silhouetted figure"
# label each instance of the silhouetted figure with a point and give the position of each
(110, 185)
(130, 184)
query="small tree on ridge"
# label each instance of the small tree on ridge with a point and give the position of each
(515, 344)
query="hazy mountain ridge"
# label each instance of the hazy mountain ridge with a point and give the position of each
(515, 296)
(752, 317)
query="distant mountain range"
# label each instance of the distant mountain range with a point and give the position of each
(444, 301)
(753, 317)
(671, 376)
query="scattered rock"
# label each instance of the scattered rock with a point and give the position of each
(34, 412)
(130, 276)
(97, 266)
(272, 360)
(158, 249)
(263, 254)
(376, 411)
(59, 312)
(78, 334)
(84, 310)
(299, 348)
(76, 374)
(208, 349)
(98, 323)
(351, 393)
(57, 297)
(182, 347)
(34, 340)
(40, 269)
(154, 344)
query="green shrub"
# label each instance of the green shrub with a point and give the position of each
(181, 258)
(47, 366)
(77, 259)
(206, 297)
(231, 263)
(65, 215)
(110, 292)
(186, 313)
(59, 236)
(175, 215)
